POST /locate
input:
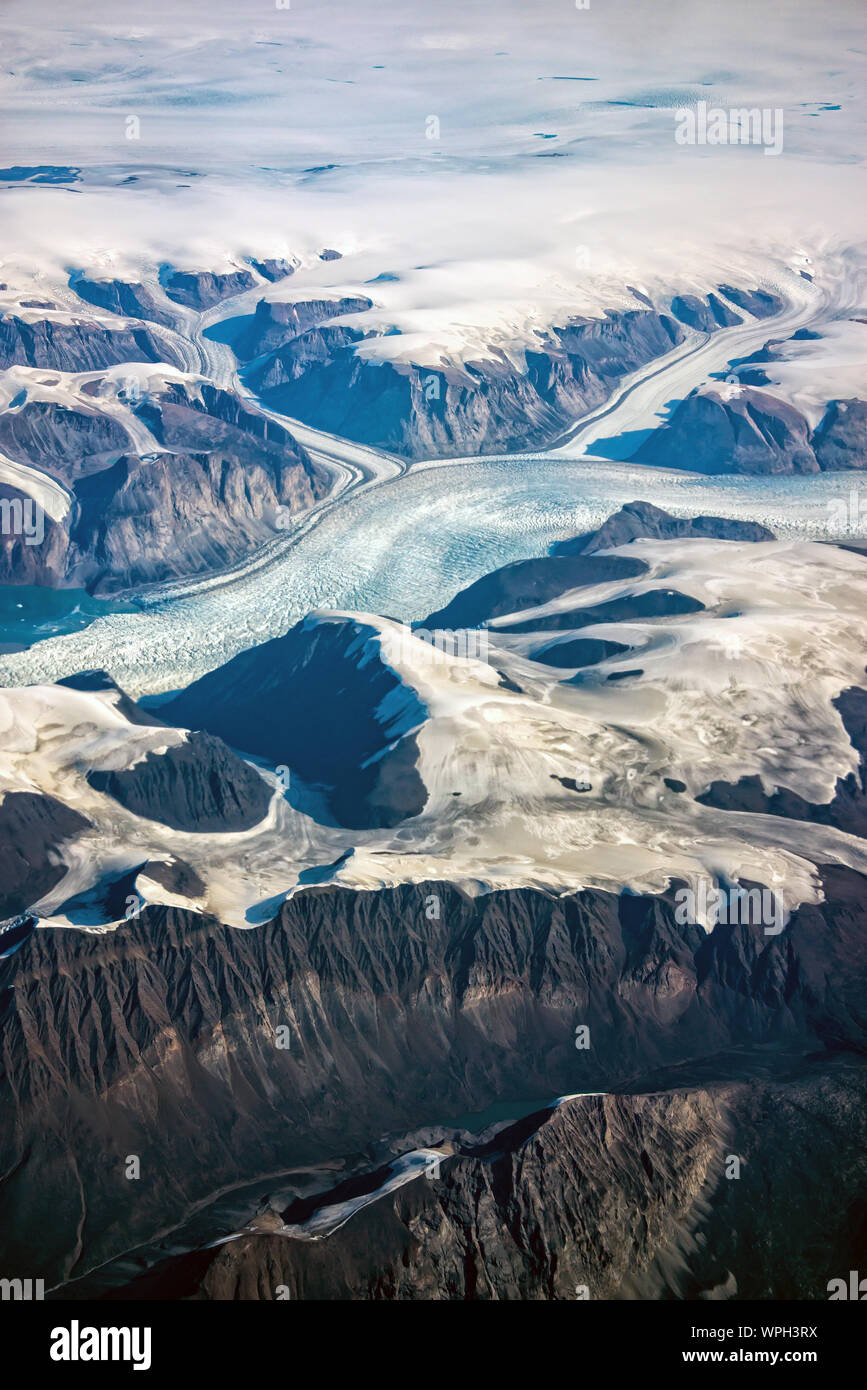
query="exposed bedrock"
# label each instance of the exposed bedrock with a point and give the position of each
(203, 417)
(528, 583)
(202, 289)
(840, 440)
(23, 562)
(78, 346)
(128, 298)
(487, 406)
(277, 701)
(708, 316)
(621, 1196)
(760, 303)
(276, 323)
(226, 477)
(60, 440)
(159, 1038)
(575, 562)
(652, 603)
(33, 829)
(273, 268)
(745, 430)
(198, 786)
(642, 520)
(167, 515)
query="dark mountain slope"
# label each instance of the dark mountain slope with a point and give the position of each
(621, 1196)
(159, 1038)
(322, 701)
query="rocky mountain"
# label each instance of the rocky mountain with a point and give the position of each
(510, 400)
(528, 583)
(840, 441)
(161, 1039)
(62, 440)
(273, 268)
(276, 323)
(746, 430)
(78, 345)
(33, 828)
(202, 289)
(209, 495)
(531, 583)
(615, 1197)
(314, 1064)
(518, 401)
(114, 758)
(197, 416)
(128, 298)
(144, 520)
(642, 520)
(276, 701)
(197, 786)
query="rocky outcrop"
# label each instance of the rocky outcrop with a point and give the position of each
(529, 583)
(277, 322)
(708, 316)
(100, 682)
(128, 298)
(277, 701)
(144, 520)
(225, 481)
(613, 1197)
(60, 440)
(576, 563)
(577, 652)
(202, 289)
(203, 417)
(651, 603)
(494, 405)
(160, 1039)
(273, 268)
(198, 786)
(840, 441)
(641, 520)
(33, 829)
(762, 304)
(78, 346)
(745, 430)
(732, 430)
(25, 563)
(176, 876)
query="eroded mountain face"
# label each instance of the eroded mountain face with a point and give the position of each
(359, 1091)
(394, 1020)
(163, 479)
(368, 947)
(648, 1196)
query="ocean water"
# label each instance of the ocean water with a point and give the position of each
(30, 614)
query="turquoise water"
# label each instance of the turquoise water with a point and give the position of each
(403, 548)
(29, 613)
